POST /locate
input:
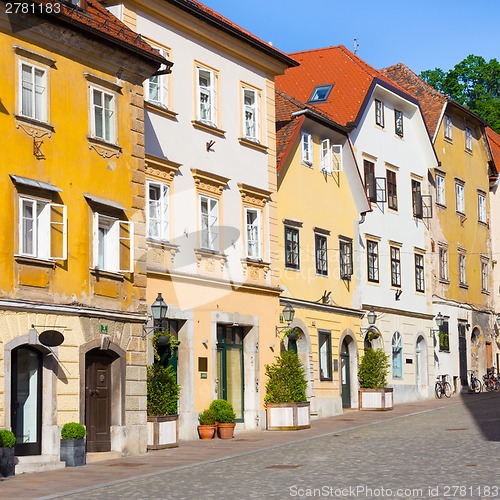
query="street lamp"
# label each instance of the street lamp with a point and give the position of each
(371, 316)
(439, 320)
(159, 312)
(288, 315)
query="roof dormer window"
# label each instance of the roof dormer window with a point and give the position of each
(321, 93)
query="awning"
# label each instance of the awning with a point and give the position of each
(105, 203)
(24, 181)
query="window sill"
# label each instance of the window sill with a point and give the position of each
(160, 110)
(252, 144)
(34, 261)
(446, 351)
(321, 275)
(104, 148)
(468, 151)
(37, 128)
(161, 243)
(485, 292)
(287, 268)
(483, 224)
(441, 205)
(205, 127)
(464, 286)
(444, 281)
(308, 164)
(110, 275)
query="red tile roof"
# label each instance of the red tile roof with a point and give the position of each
(99, 22)
(494, 142)
(351, 77)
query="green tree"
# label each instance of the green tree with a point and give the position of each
(473, 83)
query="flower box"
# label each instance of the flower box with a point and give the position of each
(288, 416)
(163, 432)
(376, 399)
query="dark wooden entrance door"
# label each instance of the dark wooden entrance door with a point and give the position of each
(26, 407)
(462, 353)
(345, 374)
(98, 401)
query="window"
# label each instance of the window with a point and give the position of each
(481, 201)
(448, 128)
(372, 260)
(321, 252)
(379, 112)
(253, 230)
(158, 213)
(306, 147)
(346, 267)
(484, 276)
(292, 248)
(416, 197)
(370, 184)
(444, 337)
(326, 157)
(443, 263)
(392, 190)
(395, 266)
(209, 211)
(103, 115)
(325, 355)
(440, 193)
(113, 243)
(42, 229)
(33, 95)
(321, 93)
(157, 85)
(397, 355)
(207, 96)
(251, 114)
(419, 273)
(398, 122)
(468, 139)
(462, 274)
(459, 192)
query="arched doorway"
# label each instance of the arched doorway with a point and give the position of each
(26, 400)
(345, 373)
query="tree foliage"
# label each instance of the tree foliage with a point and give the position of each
(473, 83)
(373, 369)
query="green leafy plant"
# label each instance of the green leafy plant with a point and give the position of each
(295, 333)
(207, 417)
(373, 369)
(171, 342)
(163, 391)
(73, 430)
(7, 438)
(286, 380)
(224, 412)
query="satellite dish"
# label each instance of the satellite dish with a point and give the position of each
(51, 338)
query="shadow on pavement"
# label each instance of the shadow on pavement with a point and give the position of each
(485, 409)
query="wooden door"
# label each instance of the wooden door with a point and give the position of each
(98, 401)
(345, 375)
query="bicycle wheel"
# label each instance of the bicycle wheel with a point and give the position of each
(438, 389)
(447, 389)
(490, 385)
(476, 386)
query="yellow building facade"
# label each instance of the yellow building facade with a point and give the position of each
(72, 273)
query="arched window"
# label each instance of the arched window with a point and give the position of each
(397, 355)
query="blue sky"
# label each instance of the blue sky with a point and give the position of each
(423, 34)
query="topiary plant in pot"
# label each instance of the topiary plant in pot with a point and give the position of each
(206, 429)
(372, 375)
(286, 399)
(7, 457)
(73, 451)
(224, 417)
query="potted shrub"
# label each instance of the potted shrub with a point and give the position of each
(164, 344)
(224, 418)
(286, 403)
(7, 457)
(73, 444)
(372, 375)
(206, 429)
(162, 399)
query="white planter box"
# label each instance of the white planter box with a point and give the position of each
(375, 399)
(163, 432)
(288, 416)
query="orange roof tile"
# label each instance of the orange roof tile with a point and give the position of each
(494, 141)
(352, 79)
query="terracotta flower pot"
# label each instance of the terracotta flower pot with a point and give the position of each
(225, 431)
(206, 431)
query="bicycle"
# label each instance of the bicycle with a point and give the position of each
(475, 385)
(490, 380)
(442, 386)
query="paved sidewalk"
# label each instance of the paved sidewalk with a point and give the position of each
(61, 482)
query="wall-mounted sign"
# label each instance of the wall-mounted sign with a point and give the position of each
(104, 329)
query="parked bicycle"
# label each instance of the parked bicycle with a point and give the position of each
(490, 380)
(442, 387)
(475, 385)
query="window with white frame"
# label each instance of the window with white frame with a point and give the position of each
(321, 252)
(33, 92)
(251, 114)
(484, 275)
(397, 355)
(325, 355)
(209, 213)
(443, 263)
(157, 211)
(392, 190)
(416, 198)
(448, 128)
(103, 116)
(157, 85)
(481, 206)
(253, 233)
(440, 192)
(372, 260)
(468, 139)
(419, 273)
(306, 148)
(460, 199)
(113, 244)
(462, 271)
(43, 229)
(379, 113)
(395, 266)
(346, 265)
(326, 157)
(207, 96)
(292, 256)
(398, 122)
